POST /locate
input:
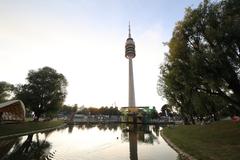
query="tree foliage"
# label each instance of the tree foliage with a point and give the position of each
(154, 113)
(44, 91)
(100, 111)
(66, 109)
(5, 90)
(201, 75)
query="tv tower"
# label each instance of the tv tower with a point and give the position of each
(130, 54)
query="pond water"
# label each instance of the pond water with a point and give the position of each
(90, 142)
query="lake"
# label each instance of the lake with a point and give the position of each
(90, 142)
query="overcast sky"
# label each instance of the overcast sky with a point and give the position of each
(85, 40)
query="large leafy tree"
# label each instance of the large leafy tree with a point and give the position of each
(44, 92)
(5, 91)
(201, 74)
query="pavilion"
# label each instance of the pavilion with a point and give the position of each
(12, 111)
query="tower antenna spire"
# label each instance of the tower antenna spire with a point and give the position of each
(129, 30)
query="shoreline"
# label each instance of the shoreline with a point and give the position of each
(182, 154)
(218, 140)
(32, 132)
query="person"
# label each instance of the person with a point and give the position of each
(235, 118)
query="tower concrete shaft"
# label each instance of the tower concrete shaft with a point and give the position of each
(131, 93)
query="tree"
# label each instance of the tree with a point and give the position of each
(44, 92)
(201, 74)
(154, 113)
(5, 90)
(166, 110)
(100, 111)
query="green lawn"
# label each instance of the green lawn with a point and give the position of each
(216, 141)
(8, 129)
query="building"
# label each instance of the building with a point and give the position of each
(12, 111)
(130, 54)
(142, 114)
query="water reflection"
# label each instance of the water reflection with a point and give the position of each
(139, 133)
(30, 148)
(133, 143)
(70, 128)
(144, 134)
(6, 145)
(90, 141)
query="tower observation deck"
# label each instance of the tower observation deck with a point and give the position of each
(129, 46)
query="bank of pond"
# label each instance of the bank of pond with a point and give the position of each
(216, 141)
(90, 141)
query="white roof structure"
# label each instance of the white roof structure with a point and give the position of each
(12, 111)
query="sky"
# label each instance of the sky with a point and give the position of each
(84, 40)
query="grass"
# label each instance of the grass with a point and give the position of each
(9, 129)
(216, 141)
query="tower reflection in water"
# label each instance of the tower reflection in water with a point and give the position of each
(139, 133)
(133, 143)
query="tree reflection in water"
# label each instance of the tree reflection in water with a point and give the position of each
(6, 145)
(70, 128)
(145, 134)
(139, 133)
(100, 126)
(30, 149)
